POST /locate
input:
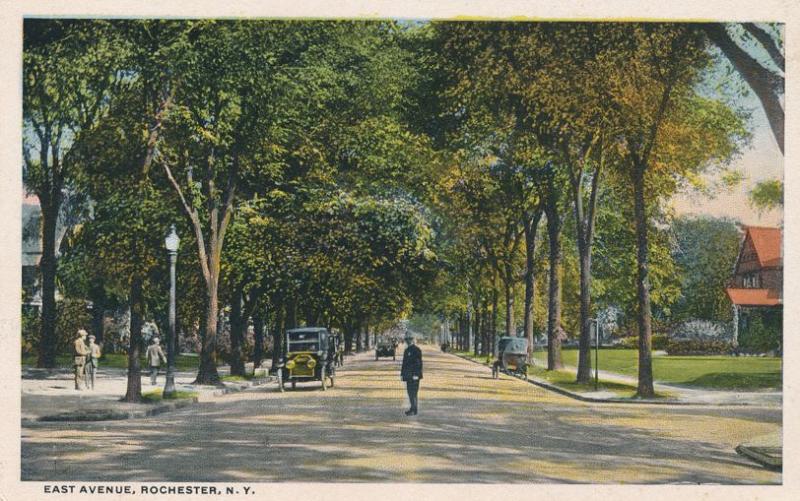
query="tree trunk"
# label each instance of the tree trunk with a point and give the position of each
(554, 292)
(584, 349)
(585, 237)
(509, 286)
(766, 85)
(98, 298)
(47, 265)
(645, 387)
(208, 353)
(348, 338)
(493, 327)
(476, 328)
(531, 226)
(278, 329)
(238, 326)
(134, 389)
(258, 339)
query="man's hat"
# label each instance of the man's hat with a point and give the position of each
(409, 335)
(82, 332)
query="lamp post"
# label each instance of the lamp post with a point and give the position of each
(171, 243)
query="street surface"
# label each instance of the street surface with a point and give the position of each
(471, 428)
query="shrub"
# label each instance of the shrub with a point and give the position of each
(760, 336)
(31, 328)
(698, 347)
(658, 342)
(700, 330)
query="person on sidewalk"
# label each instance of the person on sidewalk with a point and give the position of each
(80, 351)
(92, 362)
(411, 372)
(155, 355)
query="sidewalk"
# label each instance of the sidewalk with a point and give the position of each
(50, 395)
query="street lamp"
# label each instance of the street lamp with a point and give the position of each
(171, 243)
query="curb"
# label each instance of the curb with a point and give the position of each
(115, 415)
(243, 385)
(582, 398)
(765, 456)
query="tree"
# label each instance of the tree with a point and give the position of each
(668, 131)
(767, 195)
(705, 255)
(67, 80)
(765, 77)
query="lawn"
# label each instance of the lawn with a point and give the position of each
(717, 372)
(566, 379)
(118, 360)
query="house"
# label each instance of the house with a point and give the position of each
(756, 289)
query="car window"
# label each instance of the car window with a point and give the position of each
(302, 346)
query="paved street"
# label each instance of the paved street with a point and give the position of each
(471, 428)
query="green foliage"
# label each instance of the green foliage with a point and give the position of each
(761, 333)
(72, 314)
(31, 330)
(658, 341)
(767, 195)
(698, 347)
(705, 252)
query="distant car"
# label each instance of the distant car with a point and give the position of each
(308, 355)
(385, 348)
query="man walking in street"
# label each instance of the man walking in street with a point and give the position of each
(79, 352)
(411, 372)
(155, 355)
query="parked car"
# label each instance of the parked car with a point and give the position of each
(512, 354)
(386, 348)
(308, 355)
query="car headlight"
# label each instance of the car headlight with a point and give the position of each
(290, 364)
(311, 363)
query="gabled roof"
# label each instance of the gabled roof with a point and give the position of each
(754, 297)
(767, 243)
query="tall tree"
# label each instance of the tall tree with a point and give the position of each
(669, 131)
(766, 74)
(68, 78)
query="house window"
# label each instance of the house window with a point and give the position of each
(751, 281)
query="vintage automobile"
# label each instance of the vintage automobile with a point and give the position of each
(386, 347)
(512, 353)
(308, 355)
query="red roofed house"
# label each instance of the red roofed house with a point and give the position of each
(756, 289)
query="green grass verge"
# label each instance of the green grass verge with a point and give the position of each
(566, 380)
(156, 395)
(718, 372)
(233, 379)
(116, 360)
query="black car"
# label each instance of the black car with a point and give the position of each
(385, 348)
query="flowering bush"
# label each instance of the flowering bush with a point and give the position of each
(702, 330)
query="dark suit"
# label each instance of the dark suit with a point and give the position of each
(412, 366)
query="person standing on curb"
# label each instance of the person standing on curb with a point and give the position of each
(79, 351)
(155, 355)
(92, 361)
(411, 372)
